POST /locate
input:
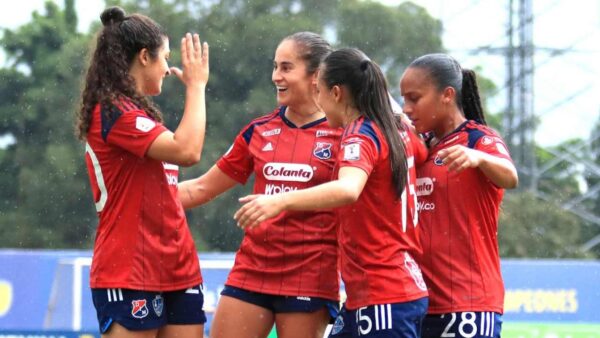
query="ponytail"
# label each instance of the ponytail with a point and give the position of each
(445, 72)
(368, 88)
(471, 102)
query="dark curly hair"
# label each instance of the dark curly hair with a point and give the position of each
(108, 79)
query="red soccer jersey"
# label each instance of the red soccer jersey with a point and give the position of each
(143, 241)
(295, 253)
(378, 233)
(459, 224)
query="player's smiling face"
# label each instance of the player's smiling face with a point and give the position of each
(422, 101)
(149, 79)
(294, 86)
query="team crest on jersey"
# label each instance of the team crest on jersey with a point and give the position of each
(323, 150)
(415, 271)
(157, 305)
(139, 308)
(437, 160)
(338, 325)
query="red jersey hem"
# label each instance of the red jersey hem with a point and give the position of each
(281, 292)
(378, 301)
(443, 310)
(147, 287)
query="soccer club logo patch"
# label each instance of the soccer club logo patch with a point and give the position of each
(157, 305)
(437, 160)
(139, 308)
(322, 150)
(338, 325)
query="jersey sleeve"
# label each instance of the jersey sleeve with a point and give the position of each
(134, 131)
(493, 145)
(237, 162)
(359, 151)
(419, 150)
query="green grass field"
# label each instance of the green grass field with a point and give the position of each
(540, 330)
(543, 330)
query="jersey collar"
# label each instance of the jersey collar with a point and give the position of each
(292, 125)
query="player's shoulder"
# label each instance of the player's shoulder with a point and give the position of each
(360, 129)
(267, 117)
(262, 121)
(477, 132)
(487, 130)
(120, 107)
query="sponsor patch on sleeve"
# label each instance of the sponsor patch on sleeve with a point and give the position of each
(502, 149)
(352, 152)
(144, 124)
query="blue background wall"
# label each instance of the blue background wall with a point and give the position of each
(36, 290)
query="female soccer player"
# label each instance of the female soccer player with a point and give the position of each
(145, 276)
(284, 273)
(374, 188)
(460, 188)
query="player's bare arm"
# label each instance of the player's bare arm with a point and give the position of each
(499, 170)
(184, 146)
(345, 190)
(197, 191)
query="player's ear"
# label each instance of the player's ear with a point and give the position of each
(448, 95)
(315, 78)
(143, 57)
(336, 91)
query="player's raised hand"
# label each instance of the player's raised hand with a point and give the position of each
(194, 59)
(257, 209)
(458, 158)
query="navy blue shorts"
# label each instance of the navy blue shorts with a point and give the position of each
(463, 325)
(399, 320)
(283, 304)
(146, 310)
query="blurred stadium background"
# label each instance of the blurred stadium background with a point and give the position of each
(538, 73)
(46, 294)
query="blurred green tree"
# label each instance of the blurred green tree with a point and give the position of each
(46, 203)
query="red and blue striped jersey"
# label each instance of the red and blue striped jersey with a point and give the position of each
(378, 233)
(143, 241)
(295, 253)
(459, 227)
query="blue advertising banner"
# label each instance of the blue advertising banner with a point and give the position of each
(48, 291)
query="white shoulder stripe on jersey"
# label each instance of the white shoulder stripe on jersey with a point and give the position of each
(99, 178)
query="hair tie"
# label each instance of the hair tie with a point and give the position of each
(364, 64)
